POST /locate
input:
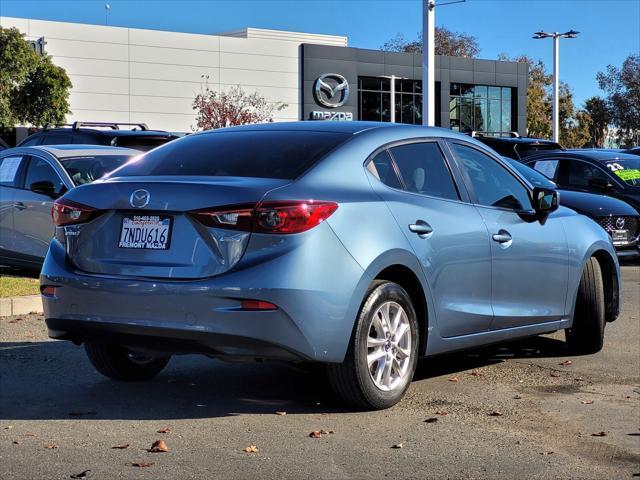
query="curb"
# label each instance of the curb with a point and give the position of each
(20, 305)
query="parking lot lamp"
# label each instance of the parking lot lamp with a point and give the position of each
(556, 74)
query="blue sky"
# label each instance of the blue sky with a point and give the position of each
(610, 29)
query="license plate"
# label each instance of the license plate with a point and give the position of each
(145, 232)
(619, 236)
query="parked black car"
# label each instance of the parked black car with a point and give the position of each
(516, 146)
(618, 218)
(98, 133)
(604, 172)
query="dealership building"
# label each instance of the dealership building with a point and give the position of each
(150, 76)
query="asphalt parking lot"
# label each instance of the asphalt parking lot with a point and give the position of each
(523, 410)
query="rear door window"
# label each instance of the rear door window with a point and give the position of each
(579, 174)
(39, 170)
(9, 169)
(424, 170)
(264, 154)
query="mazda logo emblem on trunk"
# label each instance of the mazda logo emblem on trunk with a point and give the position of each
(139, 199)
(619, 223)
(331, 90)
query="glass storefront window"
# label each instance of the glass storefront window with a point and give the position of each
(484, 108)
(375, 100)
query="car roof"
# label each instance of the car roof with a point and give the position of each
(517, 140)
(347, 127)
(599, 155)
(77, 150)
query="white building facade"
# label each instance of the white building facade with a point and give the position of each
(150, 76)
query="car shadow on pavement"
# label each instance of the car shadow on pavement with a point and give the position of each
(54, 380)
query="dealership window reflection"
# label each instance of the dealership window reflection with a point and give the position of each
(480, 108)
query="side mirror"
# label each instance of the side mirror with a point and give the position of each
(545, 200)
(44, 188)
(601, 183)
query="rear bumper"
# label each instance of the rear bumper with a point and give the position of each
(315, 315)
(167, 340)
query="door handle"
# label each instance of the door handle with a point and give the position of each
(20, 205)
(502, 237)
(421, 227)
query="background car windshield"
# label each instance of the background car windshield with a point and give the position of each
(92, 167)
(627, 170)
(273, 154)
(534, 178)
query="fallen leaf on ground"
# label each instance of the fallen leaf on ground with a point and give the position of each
(554, 374)
(546, 453)
(281, 413)
(315, 434)
(251, 449)
(495, 414)
(16, 442)
(431, 420)
(159, 447)
(8, 427)
(142, 464)
(16, 320)
(517, 397)
(326, 432)
(121, 447)
(442, 412)
(475, 374)
(397, 445)
(566, 362)
(29, 434)
(586, 402)
(82, 474)
(599, 434)
(164, 430)
(454, 379)
(51, 446)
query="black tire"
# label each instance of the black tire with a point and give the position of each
(586, 335)
(117, 362)
(352, 380)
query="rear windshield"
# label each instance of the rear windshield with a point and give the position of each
(264, 154)
(92, 167)
(627, 170)
(531, 148)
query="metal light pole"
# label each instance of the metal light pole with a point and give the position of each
(428, 63)
(556, 74)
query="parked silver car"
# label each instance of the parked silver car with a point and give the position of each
(30, 179)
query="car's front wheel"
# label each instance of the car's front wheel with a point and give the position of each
(586, 335)
(120, 363)
(383, 351)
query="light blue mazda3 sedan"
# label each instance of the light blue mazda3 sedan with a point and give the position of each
(363, 246)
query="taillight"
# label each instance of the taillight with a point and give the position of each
(269, 217)
(66, 212)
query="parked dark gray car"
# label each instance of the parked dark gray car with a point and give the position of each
(30, 179)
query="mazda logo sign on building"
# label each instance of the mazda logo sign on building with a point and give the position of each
(139, 199)
(331, 90)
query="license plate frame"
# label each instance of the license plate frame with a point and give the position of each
(620, 237)
(159, 219)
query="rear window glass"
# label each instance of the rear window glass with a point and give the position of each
(90, 168)
(264, 154)
(140, 142)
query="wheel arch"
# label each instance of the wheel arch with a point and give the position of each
(408, 280)
(611, 285)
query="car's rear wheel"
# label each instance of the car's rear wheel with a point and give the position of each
(120, 363)
(586, 335)
(383, 350)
